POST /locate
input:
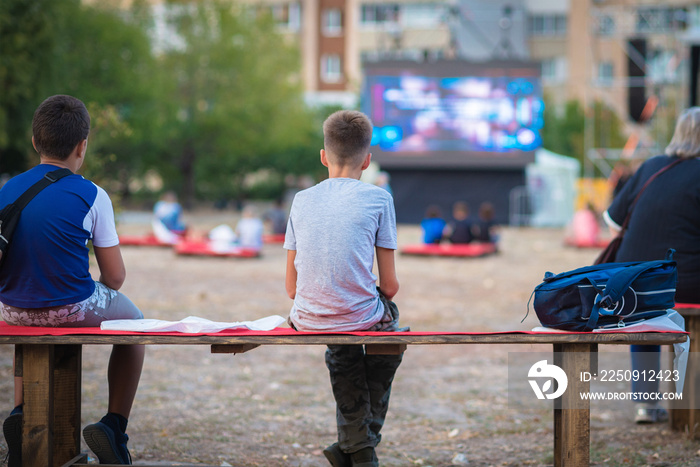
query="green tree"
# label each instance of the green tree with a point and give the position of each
(106, 61)
(235, 101)
(565, 132)
(98, 54)
(26, 38)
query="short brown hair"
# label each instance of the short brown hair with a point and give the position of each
(347, 135)
(59, 124)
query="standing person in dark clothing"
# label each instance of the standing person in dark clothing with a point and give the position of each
(667, 215)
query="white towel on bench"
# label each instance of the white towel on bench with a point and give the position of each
(191, 324)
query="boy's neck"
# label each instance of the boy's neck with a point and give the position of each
(344, 172)
(57, 163)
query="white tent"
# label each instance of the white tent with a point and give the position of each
(551, 187)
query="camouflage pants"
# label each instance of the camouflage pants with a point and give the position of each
(361, 386)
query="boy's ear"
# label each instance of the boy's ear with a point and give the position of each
(366, 162)
(324, 158)
(34, 144)
(82, 147)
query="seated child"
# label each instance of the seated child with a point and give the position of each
(222, 239)
(276, 218)
(459, 231)
(485, 229)
(433, 225)
(47, 279)
(249, 230)
(334, 230)
(167, 223)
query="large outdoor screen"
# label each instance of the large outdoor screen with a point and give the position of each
(453, 113)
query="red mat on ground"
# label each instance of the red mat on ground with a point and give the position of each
(273, 238)
(204, 248)
(141, 240)
(7, 330)
(472, 250)
(601, 243)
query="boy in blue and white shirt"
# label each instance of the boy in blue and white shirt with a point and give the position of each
(45, 278)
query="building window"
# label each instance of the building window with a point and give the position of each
(606, 25)
(332, 24)
(375, 14)
(554, 70)
(605, 73)
(661, 19)
(549, 69)
(287, 15)
(331, 70)
(422, 15)
(547, 25)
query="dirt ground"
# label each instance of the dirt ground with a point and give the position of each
(273, 406)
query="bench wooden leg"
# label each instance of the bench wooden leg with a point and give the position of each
(684, 415)
(51, 387)
(572, 431)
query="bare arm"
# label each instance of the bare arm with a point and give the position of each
(388, 282)
(290, 281)
(111, 264)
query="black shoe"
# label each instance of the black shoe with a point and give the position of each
(336, 456)
(12, 429)
(108, 446)
(365, 457)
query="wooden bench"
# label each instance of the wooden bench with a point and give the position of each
(51, 367)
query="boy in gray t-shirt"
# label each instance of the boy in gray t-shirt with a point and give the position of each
(333, 231)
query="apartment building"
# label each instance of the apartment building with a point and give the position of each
(640, 57)
(622, 52)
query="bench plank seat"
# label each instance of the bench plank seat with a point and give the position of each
(309, 338)
(51, 368)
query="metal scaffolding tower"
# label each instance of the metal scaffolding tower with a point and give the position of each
(654, 78)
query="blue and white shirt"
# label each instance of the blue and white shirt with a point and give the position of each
(47, 263)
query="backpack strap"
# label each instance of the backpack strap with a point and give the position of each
(46, 180)
(618, 284)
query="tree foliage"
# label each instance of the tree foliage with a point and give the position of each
(236, 102)
(565, 132)
(215, 98)
(26, 38)
(97, 54)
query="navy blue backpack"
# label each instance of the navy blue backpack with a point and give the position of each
(606, 295)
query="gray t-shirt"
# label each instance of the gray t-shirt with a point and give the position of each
(334, 228)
